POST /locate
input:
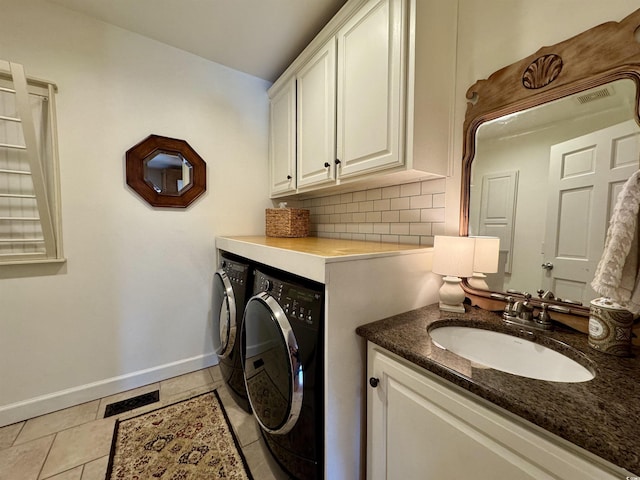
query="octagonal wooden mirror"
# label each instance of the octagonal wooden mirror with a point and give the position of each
(166, 172)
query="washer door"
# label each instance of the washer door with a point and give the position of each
(273, 372)
(224, 314)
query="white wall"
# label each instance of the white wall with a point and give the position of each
(132, 303)
(496, 33)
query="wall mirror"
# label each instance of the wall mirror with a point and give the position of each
(549, 142)
(165, 171)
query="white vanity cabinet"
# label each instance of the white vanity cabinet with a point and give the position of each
(375, 95)
(282, 139)
(420, 426)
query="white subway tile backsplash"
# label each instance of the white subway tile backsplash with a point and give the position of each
(374, 217)
(382, 228)
(433, 186)
(365, 206)
(420, 229)
(389, 238)
(391, 192)
(426, 241)
(409, 239)
(390, 216)
(374, 194)
(360, 196)
(421, 201)
(410, 189)
(340, 208)
(432, 215)
(346, 198)
(401, 203)
(437, 229)
(399, 228)
(409, 213)
(353, 207)
(380, 205)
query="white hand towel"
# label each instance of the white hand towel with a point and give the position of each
(617, 273)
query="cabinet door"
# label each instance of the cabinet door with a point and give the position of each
(316, 83)
(420, 428)
(282, 140)
(370, 86)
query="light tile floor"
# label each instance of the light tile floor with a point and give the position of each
(74, 443)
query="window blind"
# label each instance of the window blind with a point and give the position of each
(29, 191)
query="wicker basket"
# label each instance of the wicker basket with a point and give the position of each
(287, 222)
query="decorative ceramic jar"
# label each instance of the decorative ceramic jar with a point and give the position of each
(610, 327)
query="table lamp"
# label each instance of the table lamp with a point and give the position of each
(485, 260)
(452, 258)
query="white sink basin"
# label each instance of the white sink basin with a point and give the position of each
(509, 354)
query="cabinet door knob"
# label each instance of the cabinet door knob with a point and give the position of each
(288, 177)
(338, 162)
(373, 381)
(327, 164)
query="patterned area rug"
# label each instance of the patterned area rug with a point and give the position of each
(190, 440)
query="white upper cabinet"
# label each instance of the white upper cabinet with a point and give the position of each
(282, 139)
(370, 66)
(375, 97)
(316, 124)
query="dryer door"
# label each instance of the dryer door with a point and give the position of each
(224, 314)
(272, 368)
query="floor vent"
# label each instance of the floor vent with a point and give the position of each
(131, 403)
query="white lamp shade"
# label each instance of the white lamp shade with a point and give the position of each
(453, 256)
(487, 253)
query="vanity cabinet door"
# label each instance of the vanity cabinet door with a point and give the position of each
(369, 88)
(420, 427)
(316, 123)
(282, 140)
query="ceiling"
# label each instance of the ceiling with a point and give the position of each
(258, 37)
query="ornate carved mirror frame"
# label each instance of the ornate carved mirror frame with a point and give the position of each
(153, 147)
(600, 55)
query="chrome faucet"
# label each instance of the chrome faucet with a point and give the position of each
(548, 295)
(522, 312)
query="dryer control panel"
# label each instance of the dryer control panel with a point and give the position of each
(299, 303)
(237, 272)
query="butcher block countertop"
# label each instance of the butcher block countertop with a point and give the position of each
(308, 256)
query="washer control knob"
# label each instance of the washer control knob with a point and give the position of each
(373, 381)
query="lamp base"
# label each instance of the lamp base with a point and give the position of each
(451, 295)
(445, 307)
(477, 281)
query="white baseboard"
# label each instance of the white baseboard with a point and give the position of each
(33, 407)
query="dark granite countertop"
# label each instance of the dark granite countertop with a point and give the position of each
(601, 415)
